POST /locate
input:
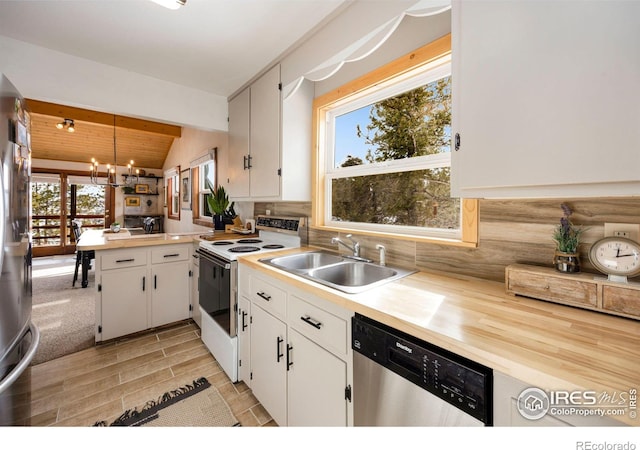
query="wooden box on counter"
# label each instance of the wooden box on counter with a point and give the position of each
(583, 290)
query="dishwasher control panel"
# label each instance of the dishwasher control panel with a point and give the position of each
(455, 379)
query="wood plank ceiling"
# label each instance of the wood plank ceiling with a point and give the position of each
(146, 143)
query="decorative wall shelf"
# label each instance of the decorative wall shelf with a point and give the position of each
(582, 290)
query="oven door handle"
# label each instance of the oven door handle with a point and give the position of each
(213, 259)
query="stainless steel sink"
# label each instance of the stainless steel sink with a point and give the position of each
(305, 261)
(337, 272)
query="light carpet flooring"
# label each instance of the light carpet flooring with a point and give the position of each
(65, 315)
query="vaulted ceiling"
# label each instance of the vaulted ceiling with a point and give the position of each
(146, 143)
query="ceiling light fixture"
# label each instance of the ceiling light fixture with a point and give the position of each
(68, 124)
(111, 172)
(171, 4)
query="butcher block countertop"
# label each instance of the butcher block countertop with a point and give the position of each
(107, 240)
(550, 346)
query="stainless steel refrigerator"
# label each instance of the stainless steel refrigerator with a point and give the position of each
(18, 336)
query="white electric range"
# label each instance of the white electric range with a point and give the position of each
(218, 270)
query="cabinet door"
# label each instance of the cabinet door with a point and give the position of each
(316, 385)
(269, 363)
(124, 301)
(170, 293)
(195, 295)
(265, 135)
(244, 340)
(237, 179)
(546, 101)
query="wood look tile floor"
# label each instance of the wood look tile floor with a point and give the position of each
(102, 382)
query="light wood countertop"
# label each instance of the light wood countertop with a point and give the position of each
(546, 345)
(107, 240)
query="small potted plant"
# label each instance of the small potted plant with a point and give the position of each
(115, 227)
(218, 203)
(567, 237)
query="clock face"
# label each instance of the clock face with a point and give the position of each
(615, 255)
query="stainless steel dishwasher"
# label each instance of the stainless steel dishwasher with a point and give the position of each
(399, 380)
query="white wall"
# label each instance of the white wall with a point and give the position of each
(56, 77)
(192, 145)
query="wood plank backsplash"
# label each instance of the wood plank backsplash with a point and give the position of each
(511, 231)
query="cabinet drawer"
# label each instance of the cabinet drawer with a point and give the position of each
(318, 325)
(123, 258)
(269, 297)
(621, 300)
(554, 289)
(169, 253)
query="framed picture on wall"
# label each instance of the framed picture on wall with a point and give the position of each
(142, 188)
(132, 201)
(185, 187)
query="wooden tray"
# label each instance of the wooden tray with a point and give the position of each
(582, 290)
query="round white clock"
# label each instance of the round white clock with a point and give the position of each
(616, 256)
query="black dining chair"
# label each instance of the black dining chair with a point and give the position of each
(76, 226)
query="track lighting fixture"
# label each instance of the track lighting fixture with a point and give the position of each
(68, 124)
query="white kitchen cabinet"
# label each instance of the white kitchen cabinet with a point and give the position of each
(170, 295)
(546, 99)
(141, 288)
(270, 141)
(244, 340)
(269, 348)
(316, 384)
(195, 286)
(237, 181)
(299, 356)
(264, 135)
(124, 301)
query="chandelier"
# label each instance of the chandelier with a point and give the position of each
(111, 172)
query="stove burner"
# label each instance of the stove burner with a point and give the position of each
(248, 241)
(222, 243)
(273, 246)
(244, 249)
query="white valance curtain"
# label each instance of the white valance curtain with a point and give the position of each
(367, 44)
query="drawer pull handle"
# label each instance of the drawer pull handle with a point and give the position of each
(171, 255)
(264, 296)
(314, 323)
(278, 354)
(125, 260)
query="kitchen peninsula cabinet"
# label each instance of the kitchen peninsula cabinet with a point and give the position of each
(122, 293)
(298, 353)
(269, 141)
(141, 288)
(546, 99)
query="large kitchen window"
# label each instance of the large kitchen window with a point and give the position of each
(384, 153)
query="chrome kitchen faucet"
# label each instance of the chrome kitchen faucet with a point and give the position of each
(356, 245)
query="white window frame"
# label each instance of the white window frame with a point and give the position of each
(202, 188)
(419, 77)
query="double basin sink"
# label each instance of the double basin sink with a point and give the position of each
(339, 272)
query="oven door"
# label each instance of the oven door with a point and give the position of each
(218, 290)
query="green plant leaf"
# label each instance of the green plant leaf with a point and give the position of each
(218, 201)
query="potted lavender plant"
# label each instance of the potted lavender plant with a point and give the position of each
(567, 237)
